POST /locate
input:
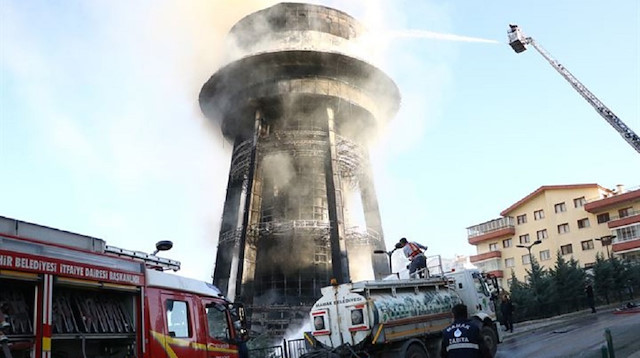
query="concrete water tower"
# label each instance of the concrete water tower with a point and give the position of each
(300, 104)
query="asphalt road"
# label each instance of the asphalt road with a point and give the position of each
(580, 336)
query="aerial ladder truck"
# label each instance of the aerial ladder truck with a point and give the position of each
(518, 42)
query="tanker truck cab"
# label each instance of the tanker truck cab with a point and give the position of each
(474, 291)
(401, 318)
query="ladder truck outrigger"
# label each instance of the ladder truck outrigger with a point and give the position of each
(518, 41)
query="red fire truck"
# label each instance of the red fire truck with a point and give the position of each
(70, 295)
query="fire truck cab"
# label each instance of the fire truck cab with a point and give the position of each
(70, 295)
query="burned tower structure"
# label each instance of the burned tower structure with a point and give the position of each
(301, 104)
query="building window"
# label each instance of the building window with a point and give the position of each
(579, 202)
(582, 223)
(178, 323)
(566, 249)
(587, 245)
(563, 228)
(628, 233)
(623, 213)
(522, 219)
(493, 246)
(603, 218)
(560, 207)
(507, 243)
(509, 281)
(524, 239)
(538, 214)
(510, 262)
(526, 259)
(545, 255)
(542, 234)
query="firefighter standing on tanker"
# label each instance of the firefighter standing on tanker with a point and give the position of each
(413, 251)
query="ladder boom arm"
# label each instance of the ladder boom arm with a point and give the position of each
(518, 42)
(629, 135)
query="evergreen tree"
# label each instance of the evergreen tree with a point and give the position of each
(540, 284)
(568, 284)
(634, 278)
(603, 277)
(520, 298)
(620, 274)
(577, 280)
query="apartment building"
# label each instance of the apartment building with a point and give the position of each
(621, 213)
(576, 220)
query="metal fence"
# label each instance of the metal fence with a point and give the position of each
(267, 352)
(294, 348)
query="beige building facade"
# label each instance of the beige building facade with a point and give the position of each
(578, 221)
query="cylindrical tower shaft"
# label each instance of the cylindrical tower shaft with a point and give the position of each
(300, 106)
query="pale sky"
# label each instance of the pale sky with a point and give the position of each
(101, 133)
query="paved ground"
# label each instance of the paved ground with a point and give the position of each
(578, 334)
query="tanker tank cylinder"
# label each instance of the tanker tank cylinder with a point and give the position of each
(343, 314)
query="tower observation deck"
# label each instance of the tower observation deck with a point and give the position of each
(301, 106)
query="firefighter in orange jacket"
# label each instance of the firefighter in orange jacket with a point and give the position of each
(414, 252)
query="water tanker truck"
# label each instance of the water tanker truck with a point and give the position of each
(399, 318)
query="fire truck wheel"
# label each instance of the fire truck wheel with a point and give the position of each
(415, 351)
(490, 338)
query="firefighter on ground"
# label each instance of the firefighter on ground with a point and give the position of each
(462, 338)
(414, 252)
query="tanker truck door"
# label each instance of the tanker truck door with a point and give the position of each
(482, 293)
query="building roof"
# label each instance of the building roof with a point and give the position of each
(611, 201)
(544, 188)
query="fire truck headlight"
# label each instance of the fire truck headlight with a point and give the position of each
(357, 317)
(318, 323)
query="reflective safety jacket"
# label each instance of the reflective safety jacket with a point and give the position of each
(412, 249)
(462, 339)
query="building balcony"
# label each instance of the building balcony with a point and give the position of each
(489, 265)
(627, 239)
(626, 246)
(496, 273)
(493, 229)
(612, 201)
(485, 256)
(504, 232)
(627, 220)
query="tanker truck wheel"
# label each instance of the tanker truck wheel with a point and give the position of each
(490, 339)
(415, 351)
